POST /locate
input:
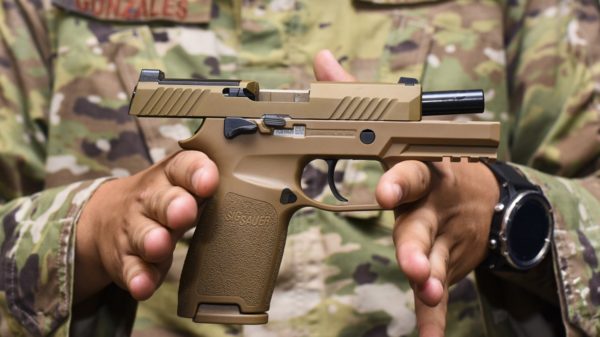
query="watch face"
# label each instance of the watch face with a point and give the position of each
(528, 230)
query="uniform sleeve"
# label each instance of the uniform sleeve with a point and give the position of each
(38, 226)
(36, 270)
(554, 58)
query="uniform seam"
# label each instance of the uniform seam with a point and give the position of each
(66, 268)
(563, 274)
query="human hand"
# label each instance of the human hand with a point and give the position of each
(128, 229)
(443, 216)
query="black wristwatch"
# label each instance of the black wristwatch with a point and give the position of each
(522, 225)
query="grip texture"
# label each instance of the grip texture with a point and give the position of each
(234, 256)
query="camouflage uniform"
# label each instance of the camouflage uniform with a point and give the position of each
(67, 69)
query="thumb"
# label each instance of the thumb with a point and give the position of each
(327, 68)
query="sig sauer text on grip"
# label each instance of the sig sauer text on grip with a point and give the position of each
(261, 140)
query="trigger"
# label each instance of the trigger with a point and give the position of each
(330, 174)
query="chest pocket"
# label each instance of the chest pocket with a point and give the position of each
(446, 44)
(100, 46)
(449, 45)
(141, 31)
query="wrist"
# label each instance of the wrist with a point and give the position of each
(90, 275)
(488, 198)
(476, 194)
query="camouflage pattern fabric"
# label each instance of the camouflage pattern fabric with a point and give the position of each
(67, 69)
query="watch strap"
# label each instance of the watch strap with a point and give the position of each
(509, 174)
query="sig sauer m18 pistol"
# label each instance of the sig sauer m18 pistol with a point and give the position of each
(261, 140)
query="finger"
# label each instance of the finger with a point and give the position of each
(413, 235)
(431, 292)
(193, 171)
(431, 321)
(149, 240)
(327, 68)
(181, 214)
(141, 278)
(405, 182)
(172, 207)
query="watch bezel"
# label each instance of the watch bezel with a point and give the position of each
(505, 226)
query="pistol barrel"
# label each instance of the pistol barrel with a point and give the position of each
(453, 102)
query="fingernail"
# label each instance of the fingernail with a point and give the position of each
(151, 238)
(140, 288)
(137, 280)
(330, 60)
(397, 191)
(421, 259)
(175, 206)
(154, 234)
(197, 178)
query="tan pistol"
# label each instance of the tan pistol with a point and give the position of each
(261, 140)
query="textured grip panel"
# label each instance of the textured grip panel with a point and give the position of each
(234, 257)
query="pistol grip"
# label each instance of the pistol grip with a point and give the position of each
(233, 260)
